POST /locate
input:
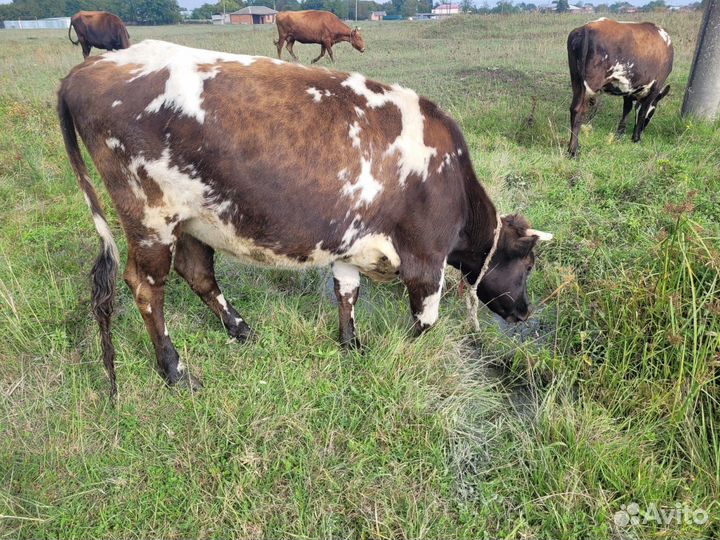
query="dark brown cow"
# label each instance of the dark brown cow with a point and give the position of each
(632, 60)
(98, 29)
(384, 187)
(311, 26)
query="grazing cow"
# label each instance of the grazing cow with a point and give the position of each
(320, 27)
(384, 187)
(98, 29)
(632, 60)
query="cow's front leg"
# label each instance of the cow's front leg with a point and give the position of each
(194, 262)
(328, 46)
(322, 53)
(627, 107)
(346, 279)
(424, 283)
(146, 273)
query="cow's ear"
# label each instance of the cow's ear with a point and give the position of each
(524, 245)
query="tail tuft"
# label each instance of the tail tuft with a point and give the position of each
(104, 272)
(103, 276)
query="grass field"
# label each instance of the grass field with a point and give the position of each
(609, 398)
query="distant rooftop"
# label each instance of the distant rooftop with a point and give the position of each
(254, 10)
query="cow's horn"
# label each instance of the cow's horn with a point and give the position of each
(542, 236)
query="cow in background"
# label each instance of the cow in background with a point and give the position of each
(98, 29)
(312, 26)
(632, 60)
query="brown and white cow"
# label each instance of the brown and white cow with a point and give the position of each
(626, 59)
(313, 26)
(98, 29)
(384, 186)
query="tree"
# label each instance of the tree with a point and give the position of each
(617, 6)
(561, 6)
(504, 7)
(409, 8)
(288, 5)
(466, 6)
(655, 5)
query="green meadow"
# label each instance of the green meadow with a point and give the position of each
(604, 406)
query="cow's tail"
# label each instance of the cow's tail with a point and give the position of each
(70, 37)
(104, 272)
(578, 46)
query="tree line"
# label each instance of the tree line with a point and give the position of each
(168, 12)
(131, 11)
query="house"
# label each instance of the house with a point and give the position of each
(253, 15)
(377, 15)
(446, 9)
(221, 18)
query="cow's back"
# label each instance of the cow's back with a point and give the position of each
(297, 159)
(310, 24)
(630, 42)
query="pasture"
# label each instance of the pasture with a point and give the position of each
(607, 398)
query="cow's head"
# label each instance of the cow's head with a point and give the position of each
(356, 39)
(503, 288)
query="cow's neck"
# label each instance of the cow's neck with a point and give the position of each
(478, 234)
(345, 35)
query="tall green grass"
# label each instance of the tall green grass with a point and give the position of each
(608, 397)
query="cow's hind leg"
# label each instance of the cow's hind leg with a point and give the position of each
(424, 281)
(85, 48)
(289, 47)
(146, 273)
(279, 43)
(627, 107)
(346, 279)
(322, 53)
(577, 111)
(194, 262)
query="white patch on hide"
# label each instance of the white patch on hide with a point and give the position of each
(365, 185)
(664, 35)
(619, 77)
(348, 278)
(414, 156)
(116, 103)
(431, 304)
(354, 134)
(114, 143)
(185, 83)
(317, 95)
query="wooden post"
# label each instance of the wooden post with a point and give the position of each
(702, 95)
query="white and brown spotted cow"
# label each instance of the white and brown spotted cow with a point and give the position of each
(283, 166)
(626, 59)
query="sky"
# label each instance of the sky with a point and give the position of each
(192, 4)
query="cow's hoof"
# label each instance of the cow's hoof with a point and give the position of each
(241, 333)
(189, 381)
(620, 132)
(353, 345)
(184, 379)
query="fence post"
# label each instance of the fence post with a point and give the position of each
(702, 95)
